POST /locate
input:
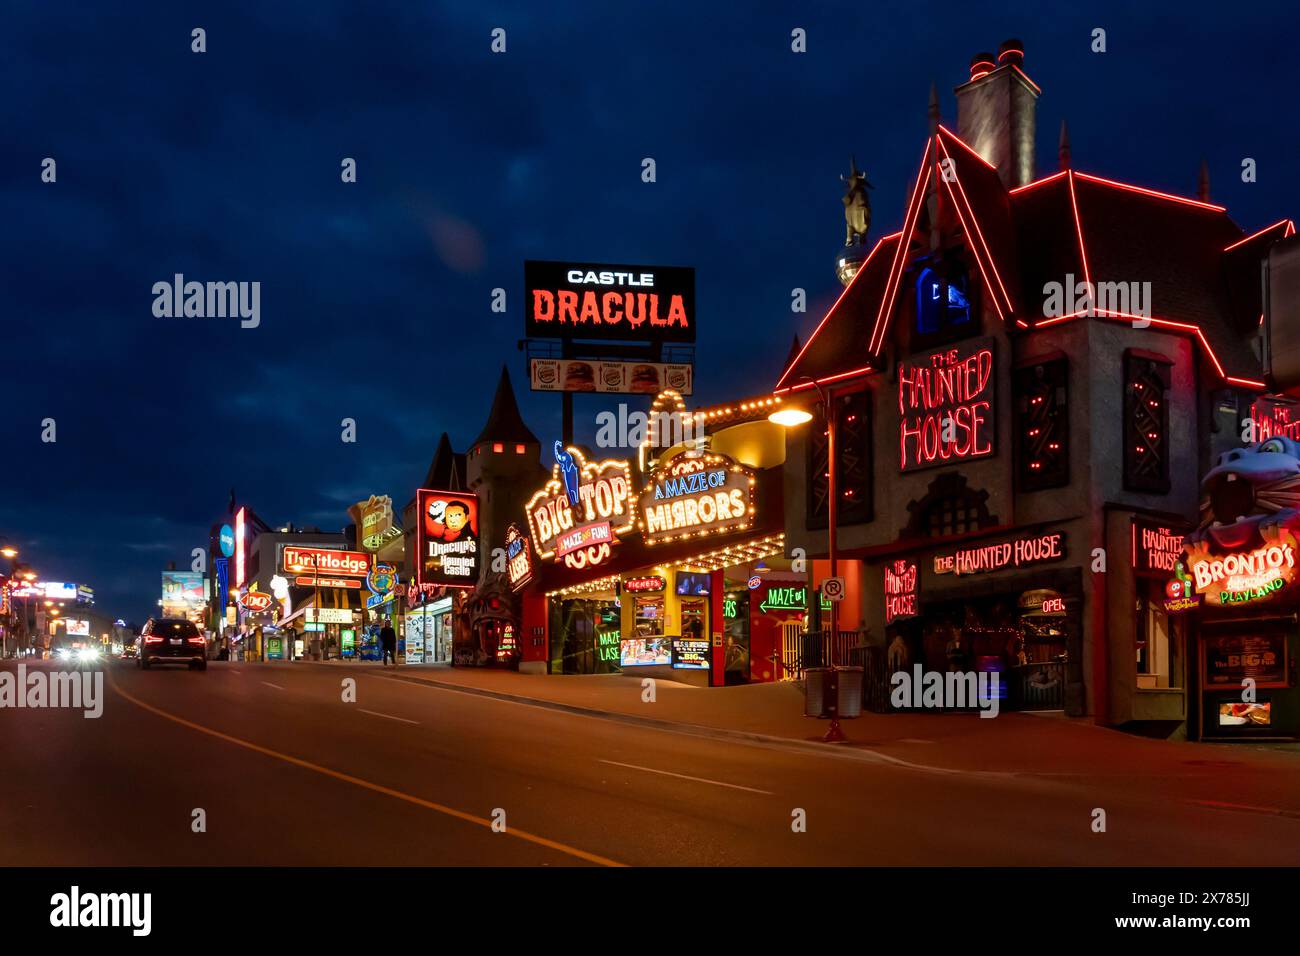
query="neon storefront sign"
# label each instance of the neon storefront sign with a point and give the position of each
(1016, 553)
(901, 578)
(1247, 576)
(325, 561)
(583, 510)
(519, 558)
(945, 406)
(695, 494)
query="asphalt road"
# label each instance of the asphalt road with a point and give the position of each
(287, 773)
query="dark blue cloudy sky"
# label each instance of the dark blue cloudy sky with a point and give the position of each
(375, 296)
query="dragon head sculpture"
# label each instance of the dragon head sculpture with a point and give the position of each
(1248, 496)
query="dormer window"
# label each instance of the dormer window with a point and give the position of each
(941, 302)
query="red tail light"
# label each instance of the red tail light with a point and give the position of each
(195, 640)
(153, 640)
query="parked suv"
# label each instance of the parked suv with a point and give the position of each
(169, 640)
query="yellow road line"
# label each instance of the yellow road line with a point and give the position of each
(366, 784)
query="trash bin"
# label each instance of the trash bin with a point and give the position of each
(817, 684)
(849, 699)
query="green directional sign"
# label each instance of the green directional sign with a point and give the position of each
(788, 599)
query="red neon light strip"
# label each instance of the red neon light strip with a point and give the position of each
(993, 293)
(979, 232)
(966, 146)
(1078, 227)
(861, 270)
(1025, 76)
(1038, 182)
(1290, 229)
(1165, 323)
(839, 376)
(1152, 192)
(896, 270)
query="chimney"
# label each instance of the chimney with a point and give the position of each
(995, 112)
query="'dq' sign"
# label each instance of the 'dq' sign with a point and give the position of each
(583, 510)
(583, 300)
(696, 494)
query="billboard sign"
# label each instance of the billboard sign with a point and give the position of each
(694, 494)
(633, 378)
(182, 591)
(447, 538)
(623, 303)
(306, 560)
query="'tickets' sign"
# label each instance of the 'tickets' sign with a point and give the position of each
(1031, 549)
(900, 590)
(322, 561)
(945, 404)
(519, 558)
(1156, 547)
(583, 510)
(696, 494)
(581, 300)
(447, 537)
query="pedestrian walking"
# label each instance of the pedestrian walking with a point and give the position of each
(388, 640)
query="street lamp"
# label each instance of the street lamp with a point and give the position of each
(792, 416)
(9, 552)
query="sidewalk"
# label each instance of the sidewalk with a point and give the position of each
(1010, 743)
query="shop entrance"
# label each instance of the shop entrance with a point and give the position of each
(1024, 637)
(586, 636)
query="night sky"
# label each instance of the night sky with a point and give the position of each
(375, 298)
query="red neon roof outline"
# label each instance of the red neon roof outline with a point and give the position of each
(979, 234)
(1078, 227)
(1038, 182)
(1290, 228)
(896, 269)
(1164, 323)
(1151, 192)
(966, 146)
(831, 311)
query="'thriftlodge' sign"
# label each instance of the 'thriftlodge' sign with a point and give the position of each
(945, 406)
(695, 494)
(583, 510)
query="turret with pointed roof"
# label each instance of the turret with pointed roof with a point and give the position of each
(504, 423)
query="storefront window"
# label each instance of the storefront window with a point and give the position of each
(1160, 641)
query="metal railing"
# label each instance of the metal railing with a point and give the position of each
(801, 650)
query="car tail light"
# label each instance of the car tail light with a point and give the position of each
(196, 640)
(153, 640)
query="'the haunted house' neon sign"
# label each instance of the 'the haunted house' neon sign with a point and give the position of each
(945, 406)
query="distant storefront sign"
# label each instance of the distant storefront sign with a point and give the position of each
(374, 518)
(1245, 577)
(1275, 415)
(303, 560)
(637, 378)
(256, 601)
(945, 404)
(447, 537)
(226, 540)
(519, 557)
(581, 300)
(77, 627)
(694, 494)
(328, 615)
(690, 654)
(1013, 553)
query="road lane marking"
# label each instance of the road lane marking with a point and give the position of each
(267, 683)
(376, 713)
(669, 773)
(368, 785)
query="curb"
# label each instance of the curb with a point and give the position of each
(694, 730)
